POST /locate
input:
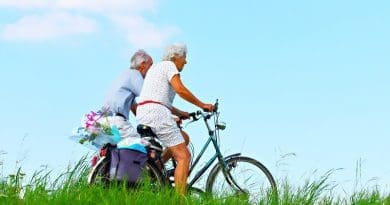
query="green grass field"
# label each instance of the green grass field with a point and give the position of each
(71, 188)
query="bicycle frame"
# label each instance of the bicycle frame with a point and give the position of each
(213, 138)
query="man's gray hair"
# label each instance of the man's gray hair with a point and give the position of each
(139, 57)
(177, 49)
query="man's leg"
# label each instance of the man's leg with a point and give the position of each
(182, 157)
(124, 127)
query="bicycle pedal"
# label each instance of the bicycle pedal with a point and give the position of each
(172, 179)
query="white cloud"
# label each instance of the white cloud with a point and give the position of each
(109, 6)
(27, 4)
(98, 6)
(48, 26)
(58, 20)
(142, 33)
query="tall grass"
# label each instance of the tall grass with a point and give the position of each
(70, 187)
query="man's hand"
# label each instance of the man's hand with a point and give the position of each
(133, 108)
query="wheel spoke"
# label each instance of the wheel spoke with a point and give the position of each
(252, 178)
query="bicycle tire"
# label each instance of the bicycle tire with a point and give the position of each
(195, 192)
(254, 188)
(152, 177)
(100, 175)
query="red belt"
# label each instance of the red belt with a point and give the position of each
(151, 101)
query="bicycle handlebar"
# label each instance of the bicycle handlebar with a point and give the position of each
(205, 113)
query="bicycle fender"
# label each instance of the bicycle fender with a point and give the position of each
(94, 168)
(232, 155)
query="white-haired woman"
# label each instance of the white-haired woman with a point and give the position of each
(155, 107)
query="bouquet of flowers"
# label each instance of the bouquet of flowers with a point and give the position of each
(96, 129)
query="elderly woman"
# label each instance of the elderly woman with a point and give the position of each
(155, 107)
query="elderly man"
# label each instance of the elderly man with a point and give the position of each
(125, 88)
(155, 107)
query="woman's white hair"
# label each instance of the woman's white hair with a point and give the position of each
(139, 57)
(177, 49)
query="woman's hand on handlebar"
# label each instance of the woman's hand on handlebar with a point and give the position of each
(208, 107)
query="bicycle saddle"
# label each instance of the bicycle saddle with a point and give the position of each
(145, 131)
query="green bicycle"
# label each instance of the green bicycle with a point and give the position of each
(231, 175)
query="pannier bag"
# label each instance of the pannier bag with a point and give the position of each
(126, 165)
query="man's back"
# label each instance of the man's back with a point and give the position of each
(123, 91)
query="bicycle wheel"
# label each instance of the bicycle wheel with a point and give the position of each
(253, 179)
(100, 173)
(150, 175)
(195, 192)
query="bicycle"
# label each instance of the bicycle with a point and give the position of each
(223, 179)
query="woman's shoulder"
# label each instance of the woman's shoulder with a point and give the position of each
(167, 64)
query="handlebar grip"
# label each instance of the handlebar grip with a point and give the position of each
(192, 115)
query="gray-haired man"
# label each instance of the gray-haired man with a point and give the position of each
(120, 99)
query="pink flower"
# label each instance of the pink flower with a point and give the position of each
(90, 123)
(91, 116)
(91, 119)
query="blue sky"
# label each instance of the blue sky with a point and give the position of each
(302, 77)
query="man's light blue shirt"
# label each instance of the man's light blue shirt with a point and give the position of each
(126, 87)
